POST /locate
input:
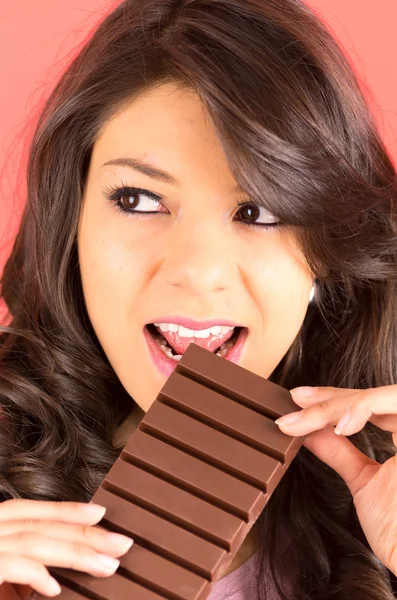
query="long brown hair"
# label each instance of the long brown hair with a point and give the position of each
(301, 140)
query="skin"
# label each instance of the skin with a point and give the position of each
(134, 270)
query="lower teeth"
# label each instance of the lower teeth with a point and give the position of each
(223, 349)
(177, 357)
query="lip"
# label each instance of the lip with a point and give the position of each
(193, 324)
(166, 365)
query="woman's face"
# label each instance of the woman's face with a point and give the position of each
(194, 256)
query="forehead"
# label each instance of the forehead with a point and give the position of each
(161, 114)
(167, 128)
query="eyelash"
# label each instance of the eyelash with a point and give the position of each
(114, 195)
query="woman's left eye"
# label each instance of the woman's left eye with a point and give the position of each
(126, 199)
(253, 212)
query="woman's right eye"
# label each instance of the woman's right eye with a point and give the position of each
(127, 199)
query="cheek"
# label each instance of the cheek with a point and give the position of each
(110, 261)
(281, 286)
(112, 273)
(116, 265)
(282, 282)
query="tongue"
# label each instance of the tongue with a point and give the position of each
(180, 344)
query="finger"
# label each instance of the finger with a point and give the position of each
(22, 570)
(319, 394)
(319, 415)
(58, 553)
(355, 468)
(386, 397)
(68, 512)
(363, 404)
(367, 408)
(385, 422)
(96, 538)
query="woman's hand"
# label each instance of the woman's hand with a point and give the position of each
(35, 535)
(373, 486)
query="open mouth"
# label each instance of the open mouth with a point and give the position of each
(172, 353)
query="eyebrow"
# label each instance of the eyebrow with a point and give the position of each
(145, 168)
(149, 170)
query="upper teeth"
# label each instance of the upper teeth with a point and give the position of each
(200, 333)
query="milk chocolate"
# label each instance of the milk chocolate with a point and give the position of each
(191, 481)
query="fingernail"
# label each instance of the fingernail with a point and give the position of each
(342, 423)
(106, 563)
(289, 419)
(53, 586)
(123, 542)
(303, 392)
(95, 510)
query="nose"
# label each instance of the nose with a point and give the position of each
(200, 259)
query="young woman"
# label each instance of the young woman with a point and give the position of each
(209, 164)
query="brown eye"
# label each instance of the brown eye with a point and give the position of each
(130, 200)
(250, 212)
(134, 201)
(138, 199)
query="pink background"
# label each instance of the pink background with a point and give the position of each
(37, 38)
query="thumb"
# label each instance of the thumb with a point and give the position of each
(342, 456)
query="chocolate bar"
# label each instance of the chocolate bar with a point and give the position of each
(190, 482)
